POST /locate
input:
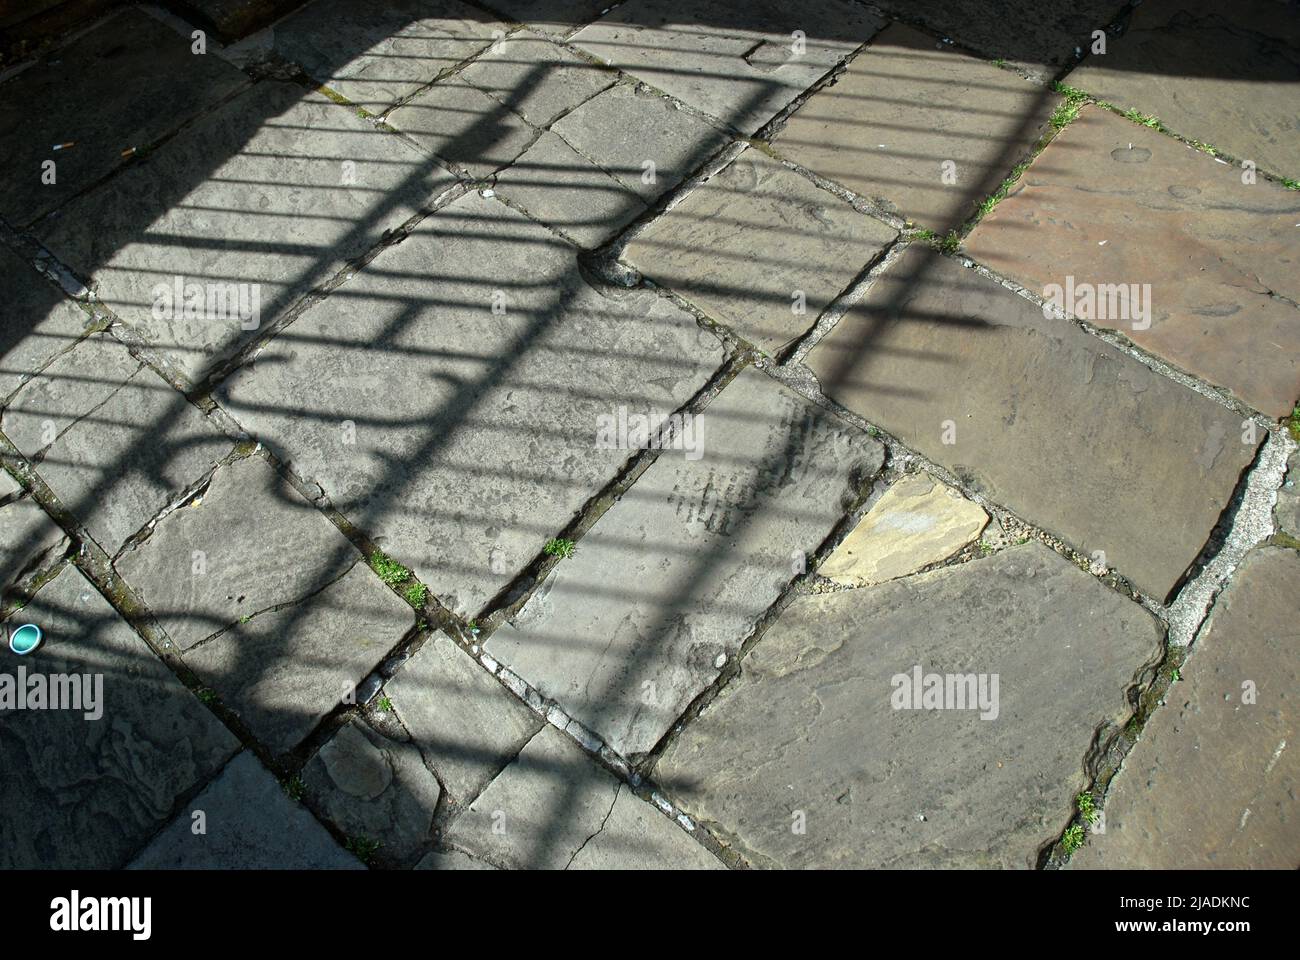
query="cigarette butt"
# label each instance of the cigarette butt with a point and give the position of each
(64, 146)
(128, 151)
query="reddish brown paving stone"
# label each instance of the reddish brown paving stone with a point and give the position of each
(902, 110)
(1111, 202)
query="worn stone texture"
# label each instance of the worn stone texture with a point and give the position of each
(254, 194)
(234, 19)
(81, 793)
(451, 860)
(538, 79)
(905, 107)
(553, 803)
(624, 128)
(251, 825)
(1228, 76)
(376, 54)
(127, 82)
(555, 17)
(465, 724)
(809, 725)
(29, 539)
(1286, 513)
(113, 441)
(565, 190)
(1112, 202)
(916, 522)
(36, 322)
(734, 61)
(466, 478)
(743, 245)
(1045, 419)
(1213, 779)
(370, 786)
(669, 582)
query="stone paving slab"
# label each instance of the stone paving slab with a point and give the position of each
(374, 788)
(744, 244)
(250, 825)
(668, 583)
(553, 808)
(537, 79)
(113, 441)
(902, 110)
(554, 17)
(466, 478)
(625, 128)
(565, 190)
(36, 322)
(252, 195)
(1112, 202)
(376, 54)
(291, 617)
(29, 539)
(916, 522)
(233, 19)
(464, 723)
(84, 793)
(1043, 418)
(127, 82)
(1213, 780)
(812, 758)
(1227, 76)
(733, 60)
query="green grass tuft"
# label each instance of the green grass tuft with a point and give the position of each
(389, 570)
(559, 547)
(1087, 807)
(416, 594)
(1072, 839)
(1145, 119)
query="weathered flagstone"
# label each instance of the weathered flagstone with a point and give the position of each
(292, 618)
(1227, 76)
(29, 539)
(1043, 418)
(1286, 513)
(466, 725)
(465, 477)
(553, 803)
(668, 583)
(113, 441)
(902, 111)
(625, 128)
(375, 788)
(36, 322)
(735, 61)
(555, 17)
(565, 190)
(84, 793)
(451, 860)
(249, 824)
(538, 79)
(266, 197)
(745, 245)
(1213, 780)
(376, 54)
(811, 757)
(127, 82)
(916, 522)
(1111, 202)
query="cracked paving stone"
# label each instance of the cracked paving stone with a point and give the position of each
(292, 618)
(624, 129)
(1211, 783)
(29, 539)
(1110, 202)
(744, 245)
(127, 82)
(1055, 424)
(1242, 96)
(84, 793)
(249, 824)
(667, 584)
(465, 724)
(370, 786)
(253, 206)
(901, 111)
(538, 79)
(36, 321)
(553, 808)
(734, 60)
(808, 733)
(113, 441)
(916, 522)
(1286, 513)
(465, 478)
(376, 54)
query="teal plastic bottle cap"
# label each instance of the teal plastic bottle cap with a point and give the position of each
(25, 639)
